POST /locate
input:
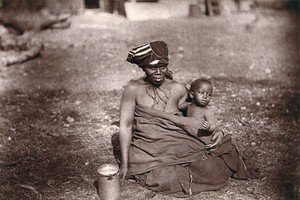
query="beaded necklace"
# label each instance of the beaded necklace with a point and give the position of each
(157, 94)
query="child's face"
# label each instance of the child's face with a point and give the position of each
(202, 95)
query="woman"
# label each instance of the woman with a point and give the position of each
(159, 148)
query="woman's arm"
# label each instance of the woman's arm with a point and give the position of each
(182, 103)
(127, 108)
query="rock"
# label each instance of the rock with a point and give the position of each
(78, 102)
(23, 21)
(268, 71)
(245, 5)
(17, 48)
(181, 49)
(70, 119)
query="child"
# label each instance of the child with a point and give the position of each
(200, 95)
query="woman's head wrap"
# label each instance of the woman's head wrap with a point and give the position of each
(153, 53)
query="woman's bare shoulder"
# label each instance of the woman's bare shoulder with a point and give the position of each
(178, 87)
(134, 84)
(131, 90)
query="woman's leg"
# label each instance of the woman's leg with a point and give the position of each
(202, 175)
(210, 173)
(172, 180)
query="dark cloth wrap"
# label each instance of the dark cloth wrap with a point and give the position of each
(166, 158)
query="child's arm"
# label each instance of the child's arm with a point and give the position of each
(211, 121)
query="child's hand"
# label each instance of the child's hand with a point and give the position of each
(205, 125)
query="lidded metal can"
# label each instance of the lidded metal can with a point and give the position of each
(109, 182)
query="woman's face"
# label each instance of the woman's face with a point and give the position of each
(156, 74)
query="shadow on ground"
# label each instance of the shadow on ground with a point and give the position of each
(39, 153)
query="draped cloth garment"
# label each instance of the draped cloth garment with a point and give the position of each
(165, 157)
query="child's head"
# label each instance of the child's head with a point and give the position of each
(201, 91)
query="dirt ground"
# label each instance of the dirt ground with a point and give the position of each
(59, 112)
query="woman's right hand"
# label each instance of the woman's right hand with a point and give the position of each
(123, 171)
(217, 137)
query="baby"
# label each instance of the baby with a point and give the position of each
(200, 94)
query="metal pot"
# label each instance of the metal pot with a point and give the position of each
(109, 182)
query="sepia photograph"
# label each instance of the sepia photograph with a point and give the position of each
(149, 99)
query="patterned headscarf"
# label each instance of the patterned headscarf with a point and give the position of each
(153, 53)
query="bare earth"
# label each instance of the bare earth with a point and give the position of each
(59, 113)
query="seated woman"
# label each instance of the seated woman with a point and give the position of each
(159, 147)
